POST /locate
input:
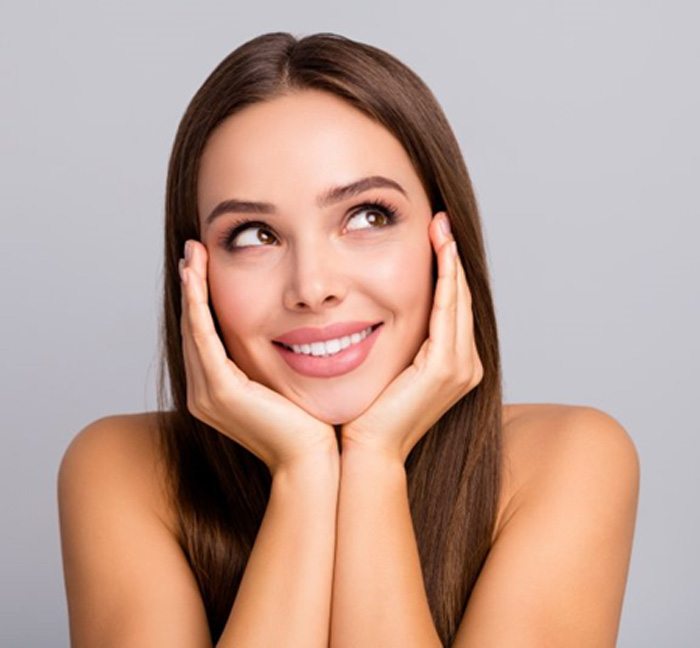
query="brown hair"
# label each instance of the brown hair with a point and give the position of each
(219, 488)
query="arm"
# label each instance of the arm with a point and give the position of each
(556, 573)
(284, 596)
(378, 594)
(128, 582)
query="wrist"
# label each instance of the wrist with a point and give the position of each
(362, 446)
(376, 470)
(322, 465)
(363, 453)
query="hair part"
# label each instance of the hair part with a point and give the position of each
(220, 489)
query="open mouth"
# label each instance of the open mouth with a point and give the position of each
(329, 348)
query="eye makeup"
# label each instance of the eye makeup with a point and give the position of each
(229, 235)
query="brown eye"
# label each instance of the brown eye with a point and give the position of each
(252, 236)
(374, 217)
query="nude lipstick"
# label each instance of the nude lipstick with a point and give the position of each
(330, 351)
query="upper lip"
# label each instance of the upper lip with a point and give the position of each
(309, 334)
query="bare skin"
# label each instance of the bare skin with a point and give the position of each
(336, 543)
(555, 574)
(538, 440)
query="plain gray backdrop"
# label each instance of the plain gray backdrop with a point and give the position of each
(579, 125)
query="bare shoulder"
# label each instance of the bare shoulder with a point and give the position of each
(127, 580)
(557, 568)
(127, 445)
(543, 442)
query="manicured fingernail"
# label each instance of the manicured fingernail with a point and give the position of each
(445, 225)
(188, 251)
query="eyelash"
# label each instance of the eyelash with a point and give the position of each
(380, 205)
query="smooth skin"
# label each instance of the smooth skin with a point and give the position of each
(287, 439)
(446, 368)
(569, 503)
(312, 256)
(555, 575)
(335, 561)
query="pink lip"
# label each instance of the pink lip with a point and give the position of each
(330, 366)
(310, 334)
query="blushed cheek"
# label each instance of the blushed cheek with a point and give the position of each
(236, 302)
(406, 272)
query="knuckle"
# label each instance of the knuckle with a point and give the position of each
(444, 373)
(198, 338)
(465, 378)
(198, 403)
(477, 375)
(216, 394)
(193, 406)
(468, 296)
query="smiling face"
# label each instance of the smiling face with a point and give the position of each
(305, 261)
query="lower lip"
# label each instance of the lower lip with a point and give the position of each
(336, 365)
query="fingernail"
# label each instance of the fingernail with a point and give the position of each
(188, 251)
(445, 225)
(180, 266)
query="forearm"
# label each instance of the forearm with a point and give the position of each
(284, 596)
(378, 594)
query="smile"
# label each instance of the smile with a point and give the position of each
(330, 347)
(330, 358)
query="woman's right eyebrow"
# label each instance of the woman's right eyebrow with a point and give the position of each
(329, 197)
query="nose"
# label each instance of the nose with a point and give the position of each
(315, 278)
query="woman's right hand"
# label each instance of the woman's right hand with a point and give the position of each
(277, 431)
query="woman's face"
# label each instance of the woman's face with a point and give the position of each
(313, 255)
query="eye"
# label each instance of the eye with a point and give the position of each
(376, 214)
(247, 234)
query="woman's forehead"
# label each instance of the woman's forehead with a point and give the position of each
(306, 128)
(298, 146)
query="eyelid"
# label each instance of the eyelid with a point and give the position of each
(238, 227)
(378, 204)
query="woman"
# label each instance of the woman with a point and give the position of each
(336, 465)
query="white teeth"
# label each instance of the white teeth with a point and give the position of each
(331, 347)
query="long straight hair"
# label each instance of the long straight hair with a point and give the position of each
(218, 488)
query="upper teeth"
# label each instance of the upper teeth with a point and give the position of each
(329, 347)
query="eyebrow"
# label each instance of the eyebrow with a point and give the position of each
(329, 197)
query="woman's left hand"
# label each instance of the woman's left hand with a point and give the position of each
(446, 367)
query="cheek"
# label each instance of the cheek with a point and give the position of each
(406, 273)
(236, 301)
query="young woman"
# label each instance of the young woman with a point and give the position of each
(335, 465)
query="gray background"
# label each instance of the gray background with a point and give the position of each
(578, 121)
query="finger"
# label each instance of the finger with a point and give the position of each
(466, 351)
(465, 320)
(208, 352)
(442, 327)
(193, 369)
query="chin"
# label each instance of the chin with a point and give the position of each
(334, 415)
(335, 409)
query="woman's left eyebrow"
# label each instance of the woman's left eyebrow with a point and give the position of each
(329, 197)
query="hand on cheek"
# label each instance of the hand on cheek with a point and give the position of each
(446, 367)
(218, 393)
